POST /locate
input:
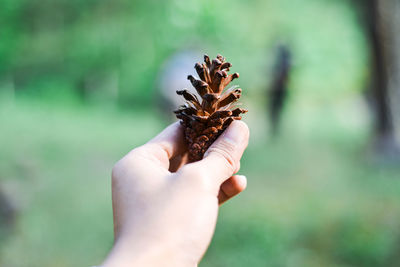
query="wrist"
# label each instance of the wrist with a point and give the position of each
(131, 254)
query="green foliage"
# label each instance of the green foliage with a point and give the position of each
(83, 45)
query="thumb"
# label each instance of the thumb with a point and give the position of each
(222, 159)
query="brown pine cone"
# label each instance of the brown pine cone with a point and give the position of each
(205, 120)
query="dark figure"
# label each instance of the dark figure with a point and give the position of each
(7, 216)
(278, 91)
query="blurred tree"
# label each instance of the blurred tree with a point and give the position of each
(384, 80)
(389, 12)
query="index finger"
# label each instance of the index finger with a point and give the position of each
(167, 144)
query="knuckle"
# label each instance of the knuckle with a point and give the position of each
(123, 173)
(126, 162)
(117, 170)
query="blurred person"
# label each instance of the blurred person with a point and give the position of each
(165, 215)
(8, 215)
(278, 91)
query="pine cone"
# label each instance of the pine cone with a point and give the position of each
(205, 120)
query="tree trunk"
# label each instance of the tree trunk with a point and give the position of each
(379, 19)
(389, 11)
(388, 19)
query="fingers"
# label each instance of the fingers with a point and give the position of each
(231, 188)
(166, 145)
(171, 140)
(222, 159)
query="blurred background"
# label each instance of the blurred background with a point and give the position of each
(82, 82)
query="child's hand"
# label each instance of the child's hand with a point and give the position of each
(164, 218)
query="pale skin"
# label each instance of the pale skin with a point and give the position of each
(165, 211)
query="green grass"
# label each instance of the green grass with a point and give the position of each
(56, 164)
(313, 198)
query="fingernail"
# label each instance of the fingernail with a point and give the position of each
(234, 133)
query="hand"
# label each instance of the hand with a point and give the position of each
(165, 218)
